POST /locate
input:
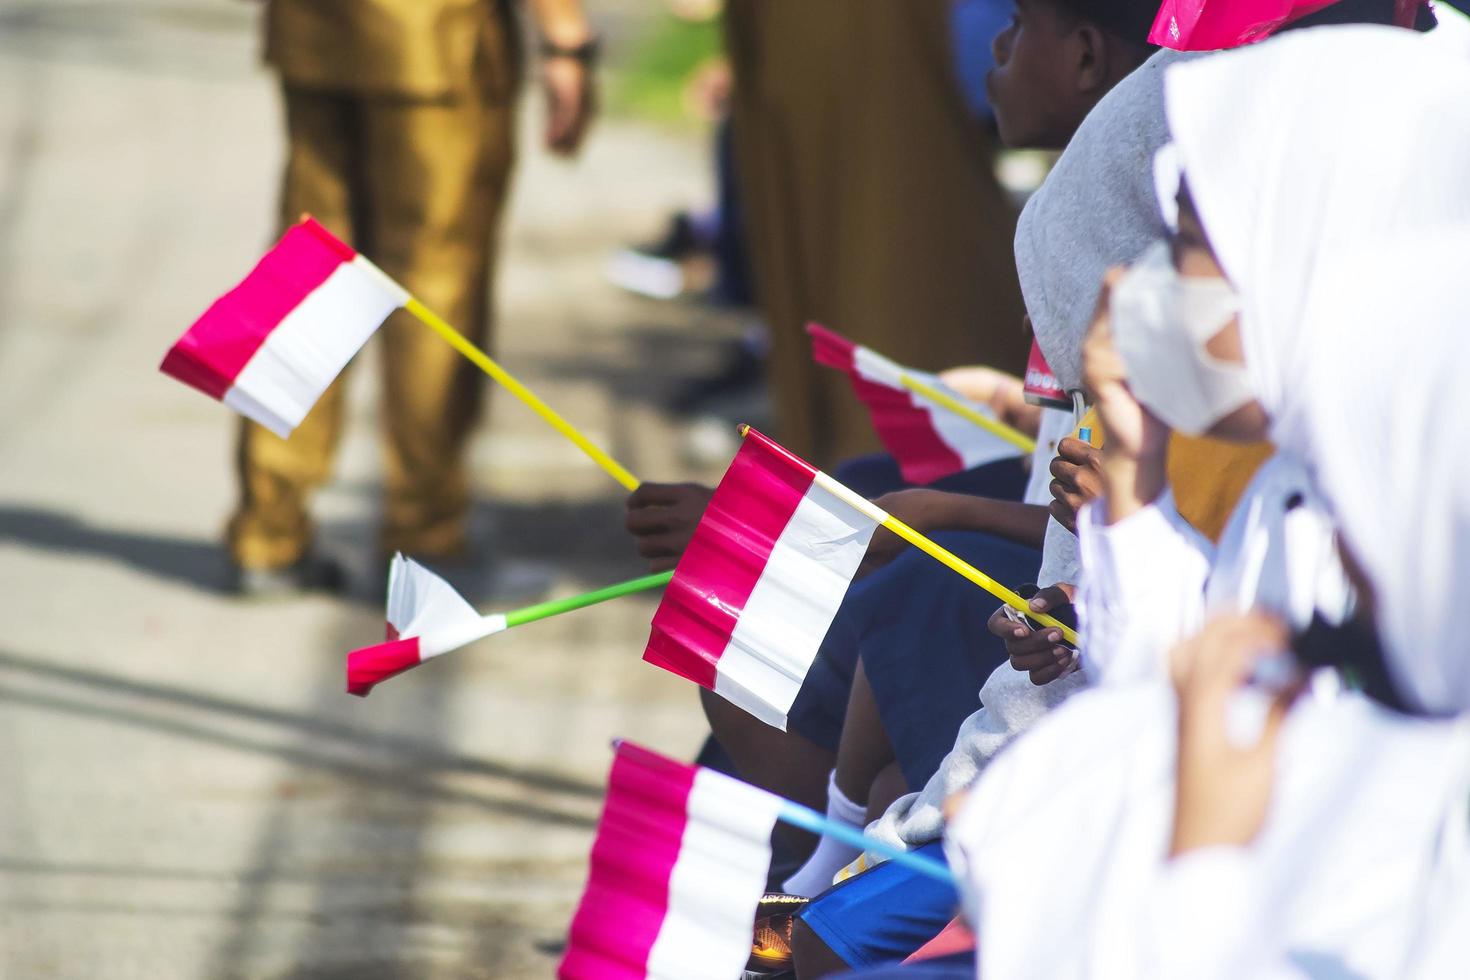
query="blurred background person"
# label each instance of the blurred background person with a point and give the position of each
(870, 199)
(400, 118)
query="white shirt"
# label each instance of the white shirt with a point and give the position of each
(1066, 839)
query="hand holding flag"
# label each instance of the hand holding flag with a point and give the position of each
(760, 582)
(931, 430)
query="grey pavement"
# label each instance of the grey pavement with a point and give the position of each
(185, 790)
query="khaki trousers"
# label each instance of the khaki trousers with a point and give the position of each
(417, 186)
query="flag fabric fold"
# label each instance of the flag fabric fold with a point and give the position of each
(757, 587)
(1211, 25)
(677, 870)
(269, 347)
(426, 618)
(928, 440)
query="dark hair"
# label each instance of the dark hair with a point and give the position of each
(1362, 12)
(1130, 20)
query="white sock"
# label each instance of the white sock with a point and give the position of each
(831, 856)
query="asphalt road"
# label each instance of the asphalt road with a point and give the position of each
(185, 791)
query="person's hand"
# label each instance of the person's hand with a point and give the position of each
(1223, 789)
(1077, 469)
(662, 518)
(915, 507)
(571, 102)
(1004, 394)
(1039, 653)
(1132, 430)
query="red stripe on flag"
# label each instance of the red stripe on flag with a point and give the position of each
(221, 342)
(725, 558)
(633, 858)
(905, 427)
(832, 349)
(371, 666)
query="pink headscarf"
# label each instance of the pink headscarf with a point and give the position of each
(1203, 25)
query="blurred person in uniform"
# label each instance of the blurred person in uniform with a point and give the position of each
(400, 118)
(871, 201)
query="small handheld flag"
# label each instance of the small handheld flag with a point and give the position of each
(678, 867)
(426, 618)
(269, 347)
(764, 574)
(930, 429)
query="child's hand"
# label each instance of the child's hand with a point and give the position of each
(1077, 469)
(1223, 789)
(1132, 430)
(1004, 393)
(662, 518)
(1039, 653)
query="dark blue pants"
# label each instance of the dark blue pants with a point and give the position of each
(920, 631)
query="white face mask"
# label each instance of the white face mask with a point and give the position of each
(1161, 323)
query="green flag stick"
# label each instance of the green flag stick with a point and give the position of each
(555, 607)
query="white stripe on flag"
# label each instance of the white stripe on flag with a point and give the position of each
(311, 346)
(792, 605)
(724, 857)
(972, 444)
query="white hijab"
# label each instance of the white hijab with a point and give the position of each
(1370, 154)
(1368, 136)
(1389, 427)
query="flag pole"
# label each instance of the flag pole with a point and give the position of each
(994, 426)
(506, 380)
(810, 820)
(940, 554)
(555, 607)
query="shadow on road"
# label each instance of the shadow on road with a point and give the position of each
(392, 756)
(583, 540)
(199, 564)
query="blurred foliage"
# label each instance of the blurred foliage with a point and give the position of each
(651, 82)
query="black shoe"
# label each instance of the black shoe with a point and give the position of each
(310, 573)
(678, 241)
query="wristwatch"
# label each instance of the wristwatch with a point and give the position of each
(586, 52)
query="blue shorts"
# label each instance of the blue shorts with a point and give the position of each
(883, 915)
(960, 966)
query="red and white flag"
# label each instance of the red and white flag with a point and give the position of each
(269, 347)
(678, 868)
(426, 618)
(928, 441)
(757, 587)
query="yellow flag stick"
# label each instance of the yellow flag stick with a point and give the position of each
(942, 555)
(478, 357)
(995, 427)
